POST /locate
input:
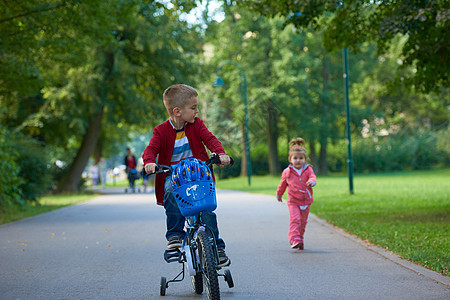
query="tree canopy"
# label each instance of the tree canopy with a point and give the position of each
(425, 24)
(80, 74)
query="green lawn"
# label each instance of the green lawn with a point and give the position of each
(46, 204)
(405, 212)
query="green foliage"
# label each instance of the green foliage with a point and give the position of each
(228, 172)
(33, 161)
(411, 148)
(260, 166)
(405, 212)
(294, 86)
(425, 25)
(63, 62)
(24, 173)
(10, 180)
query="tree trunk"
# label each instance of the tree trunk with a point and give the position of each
(323, 167)
(313, 154)
(71, 179)
(272, 142)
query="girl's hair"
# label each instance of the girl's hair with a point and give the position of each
(297, 146)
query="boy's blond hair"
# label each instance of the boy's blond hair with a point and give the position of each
(178, 95)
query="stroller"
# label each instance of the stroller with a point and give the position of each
(133, 175)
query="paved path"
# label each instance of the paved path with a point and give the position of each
(111, 248)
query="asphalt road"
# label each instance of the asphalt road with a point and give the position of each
(112, 248)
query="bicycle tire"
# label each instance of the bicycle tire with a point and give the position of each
(163, 286)
(208, 265)
(197, 283)
(229, 278)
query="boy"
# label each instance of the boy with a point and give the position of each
(182, 136)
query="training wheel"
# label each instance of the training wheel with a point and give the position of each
(229, 278)
(162, 290)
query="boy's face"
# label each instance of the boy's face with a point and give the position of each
(298, 160)
(190, 110)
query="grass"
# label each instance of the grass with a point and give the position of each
(46, 204)
(405, 212)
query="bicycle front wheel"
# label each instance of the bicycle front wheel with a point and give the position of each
(208, 264)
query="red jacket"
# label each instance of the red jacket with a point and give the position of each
(298, 192)
(163, 142)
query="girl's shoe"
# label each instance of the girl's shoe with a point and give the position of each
(301, 246)
(296, 244)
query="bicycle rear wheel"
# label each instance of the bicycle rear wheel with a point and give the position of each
(208, 264)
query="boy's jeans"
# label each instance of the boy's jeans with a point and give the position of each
(175, 220)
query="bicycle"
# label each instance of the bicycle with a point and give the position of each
(198, 255)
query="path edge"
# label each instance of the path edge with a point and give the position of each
(387, 254)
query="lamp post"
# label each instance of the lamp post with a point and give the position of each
(347, 109)
(243, 89)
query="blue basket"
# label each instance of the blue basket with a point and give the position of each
(195, 197)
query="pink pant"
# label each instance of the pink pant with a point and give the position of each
(298, 221)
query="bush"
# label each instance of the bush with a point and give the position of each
(410, 149)
(10, 181)
(229, 171)
(33, 162)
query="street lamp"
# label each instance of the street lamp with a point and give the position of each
(243, 89)
(347, 109)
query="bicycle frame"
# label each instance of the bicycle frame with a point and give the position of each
(199, 251)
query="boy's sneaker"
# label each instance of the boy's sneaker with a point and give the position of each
(224, 261)
(297, 244)
(174, 242)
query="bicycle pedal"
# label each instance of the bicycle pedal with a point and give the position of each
(173, 255)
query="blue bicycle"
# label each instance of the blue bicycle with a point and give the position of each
(194, 192)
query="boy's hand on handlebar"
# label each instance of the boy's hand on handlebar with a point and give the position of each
(224, 160)
(150, 168)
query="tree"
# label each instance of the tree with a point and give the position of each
(253, 55)
(293, 83)
(424, 24)
(114, 78)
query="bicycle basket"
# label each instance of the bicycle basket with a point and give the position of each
(193, 187)
(195, 196)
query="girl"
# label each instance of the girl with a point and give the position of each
(298, 178)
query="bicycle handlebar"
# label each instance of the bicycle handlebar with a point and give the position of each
(213, 160)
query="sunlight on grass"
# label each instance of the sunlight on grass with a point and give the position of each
(46, 204)
(405, 212)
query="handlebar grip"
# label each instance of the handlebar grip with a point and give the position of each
(231, 161)
(160, 169)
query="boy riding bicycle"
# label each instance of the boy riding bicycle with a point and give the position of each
(182, 136)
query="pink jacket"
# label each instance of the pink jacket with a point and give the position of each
(298, 192)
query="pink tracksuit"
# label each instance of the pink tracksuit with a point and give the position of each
(299, 198)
